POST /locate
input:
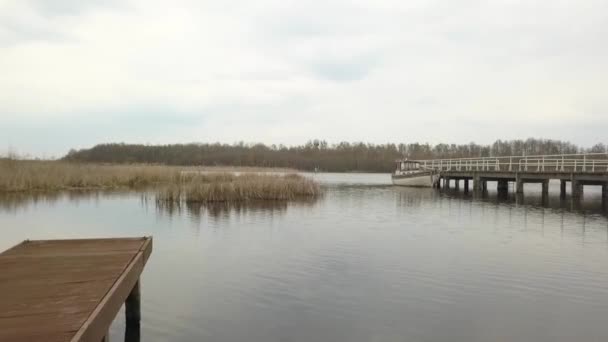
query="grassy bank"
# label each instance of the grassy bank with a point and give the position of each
(176, 184)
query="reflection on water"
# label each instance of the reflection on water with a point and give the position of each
(366, 262)
(13, 202)
(224, 210)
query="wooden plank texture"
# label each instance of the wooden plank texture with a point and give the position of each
(67, 290)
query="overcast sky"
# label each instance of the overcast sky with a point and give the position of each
(74, 73)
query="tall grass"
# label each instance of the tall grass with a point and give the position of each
(17, 175)
(175, 184)
(224, 187)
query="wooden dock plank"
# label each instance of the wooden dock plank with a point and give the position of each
(67, 290)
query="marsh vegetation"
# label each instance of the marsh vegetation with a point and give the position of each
(169, 183)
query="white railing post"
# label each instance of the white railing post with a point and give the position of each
(584, 163)
(510, 163)
(526, 166)
(562, 163)
(497, 166)
(543, 168)
(519, 164)
(593, 165)
(574, 165)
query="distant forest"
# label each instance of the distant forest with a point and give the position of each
(316, 154)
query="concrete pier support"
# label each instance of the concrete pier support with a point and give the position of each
(484, 185)
(605, 191)
(519, 185)
(476, 182)
(562, 188)
(577, 188)
(545, 187)
(466, 185)
(503, 186)
(456, 183)
(447, 182)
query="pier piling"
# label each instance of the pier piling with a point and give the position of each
(576, 188)
(545, 187)
(519, 184)
(503, 186)
(562, 188)
(476, 182)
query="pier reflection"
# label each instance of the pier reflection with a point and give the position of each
(543, 214)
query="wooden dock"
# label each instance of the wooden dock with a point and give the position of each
(69, 290)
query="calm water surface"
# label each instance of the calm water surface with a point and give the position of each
(367, 262)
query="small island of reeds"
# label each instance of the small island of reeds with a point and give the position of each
(169, 183)
(227, 187)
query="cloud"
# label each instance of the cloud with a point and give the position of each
(286, 71)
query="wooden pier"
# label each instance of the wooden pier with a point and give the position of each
(578, 170)
(70, 290)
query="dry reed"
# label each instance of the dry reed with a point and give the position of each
(176, 184)
(17, 175)
(225, 187)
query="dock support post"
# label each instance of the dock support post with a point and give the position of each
(503, 186)
(133, 314)
(545, 187)
(562, 188)
(456, 183)
(519, 184)
(447, 182)
(476, 182)
(466, 185)
(576, 188)
(484, 185)
(605, 190)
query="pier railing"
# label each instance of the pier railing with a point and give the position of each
(588, 162)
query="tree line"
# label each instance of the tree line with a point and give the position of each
(315, 154)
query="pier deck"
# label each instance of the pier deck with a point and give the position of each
(577, 169)
(69, 290)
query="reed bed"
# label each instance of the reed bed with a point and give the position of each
(174, 184)
(18, 176)
(225, 187)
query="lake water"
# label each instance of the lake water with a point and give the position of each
(366, 262)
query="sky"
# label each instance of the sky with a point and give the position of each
(76, 73)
